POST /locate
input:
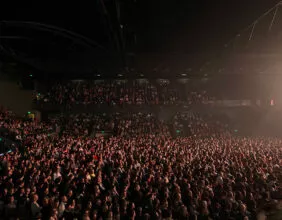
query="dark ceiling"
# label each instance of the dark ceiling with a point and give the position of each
(157, 37)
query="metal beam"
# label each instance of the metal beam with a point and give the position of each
(45, 27)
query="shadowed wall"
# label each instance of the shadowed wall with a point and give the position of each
(14, 98)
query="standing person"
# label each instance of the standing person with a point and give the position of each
(35, 207)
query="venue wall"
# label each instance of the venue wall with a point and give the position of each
(14, 98)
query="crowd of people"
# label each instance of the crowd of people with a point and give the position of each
(141, 172)
(120, 93)
(124, 125)
(189, 123)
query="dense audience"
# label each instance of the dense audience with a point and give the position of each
(193, 124)
(124, 125)
(141, 172)
(19, 129)
(120, 93)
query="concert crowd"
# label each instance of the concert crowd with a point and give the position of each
(120, 93)
(141, 172)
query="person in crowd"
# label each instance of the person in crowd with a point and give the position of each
(35, 207)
